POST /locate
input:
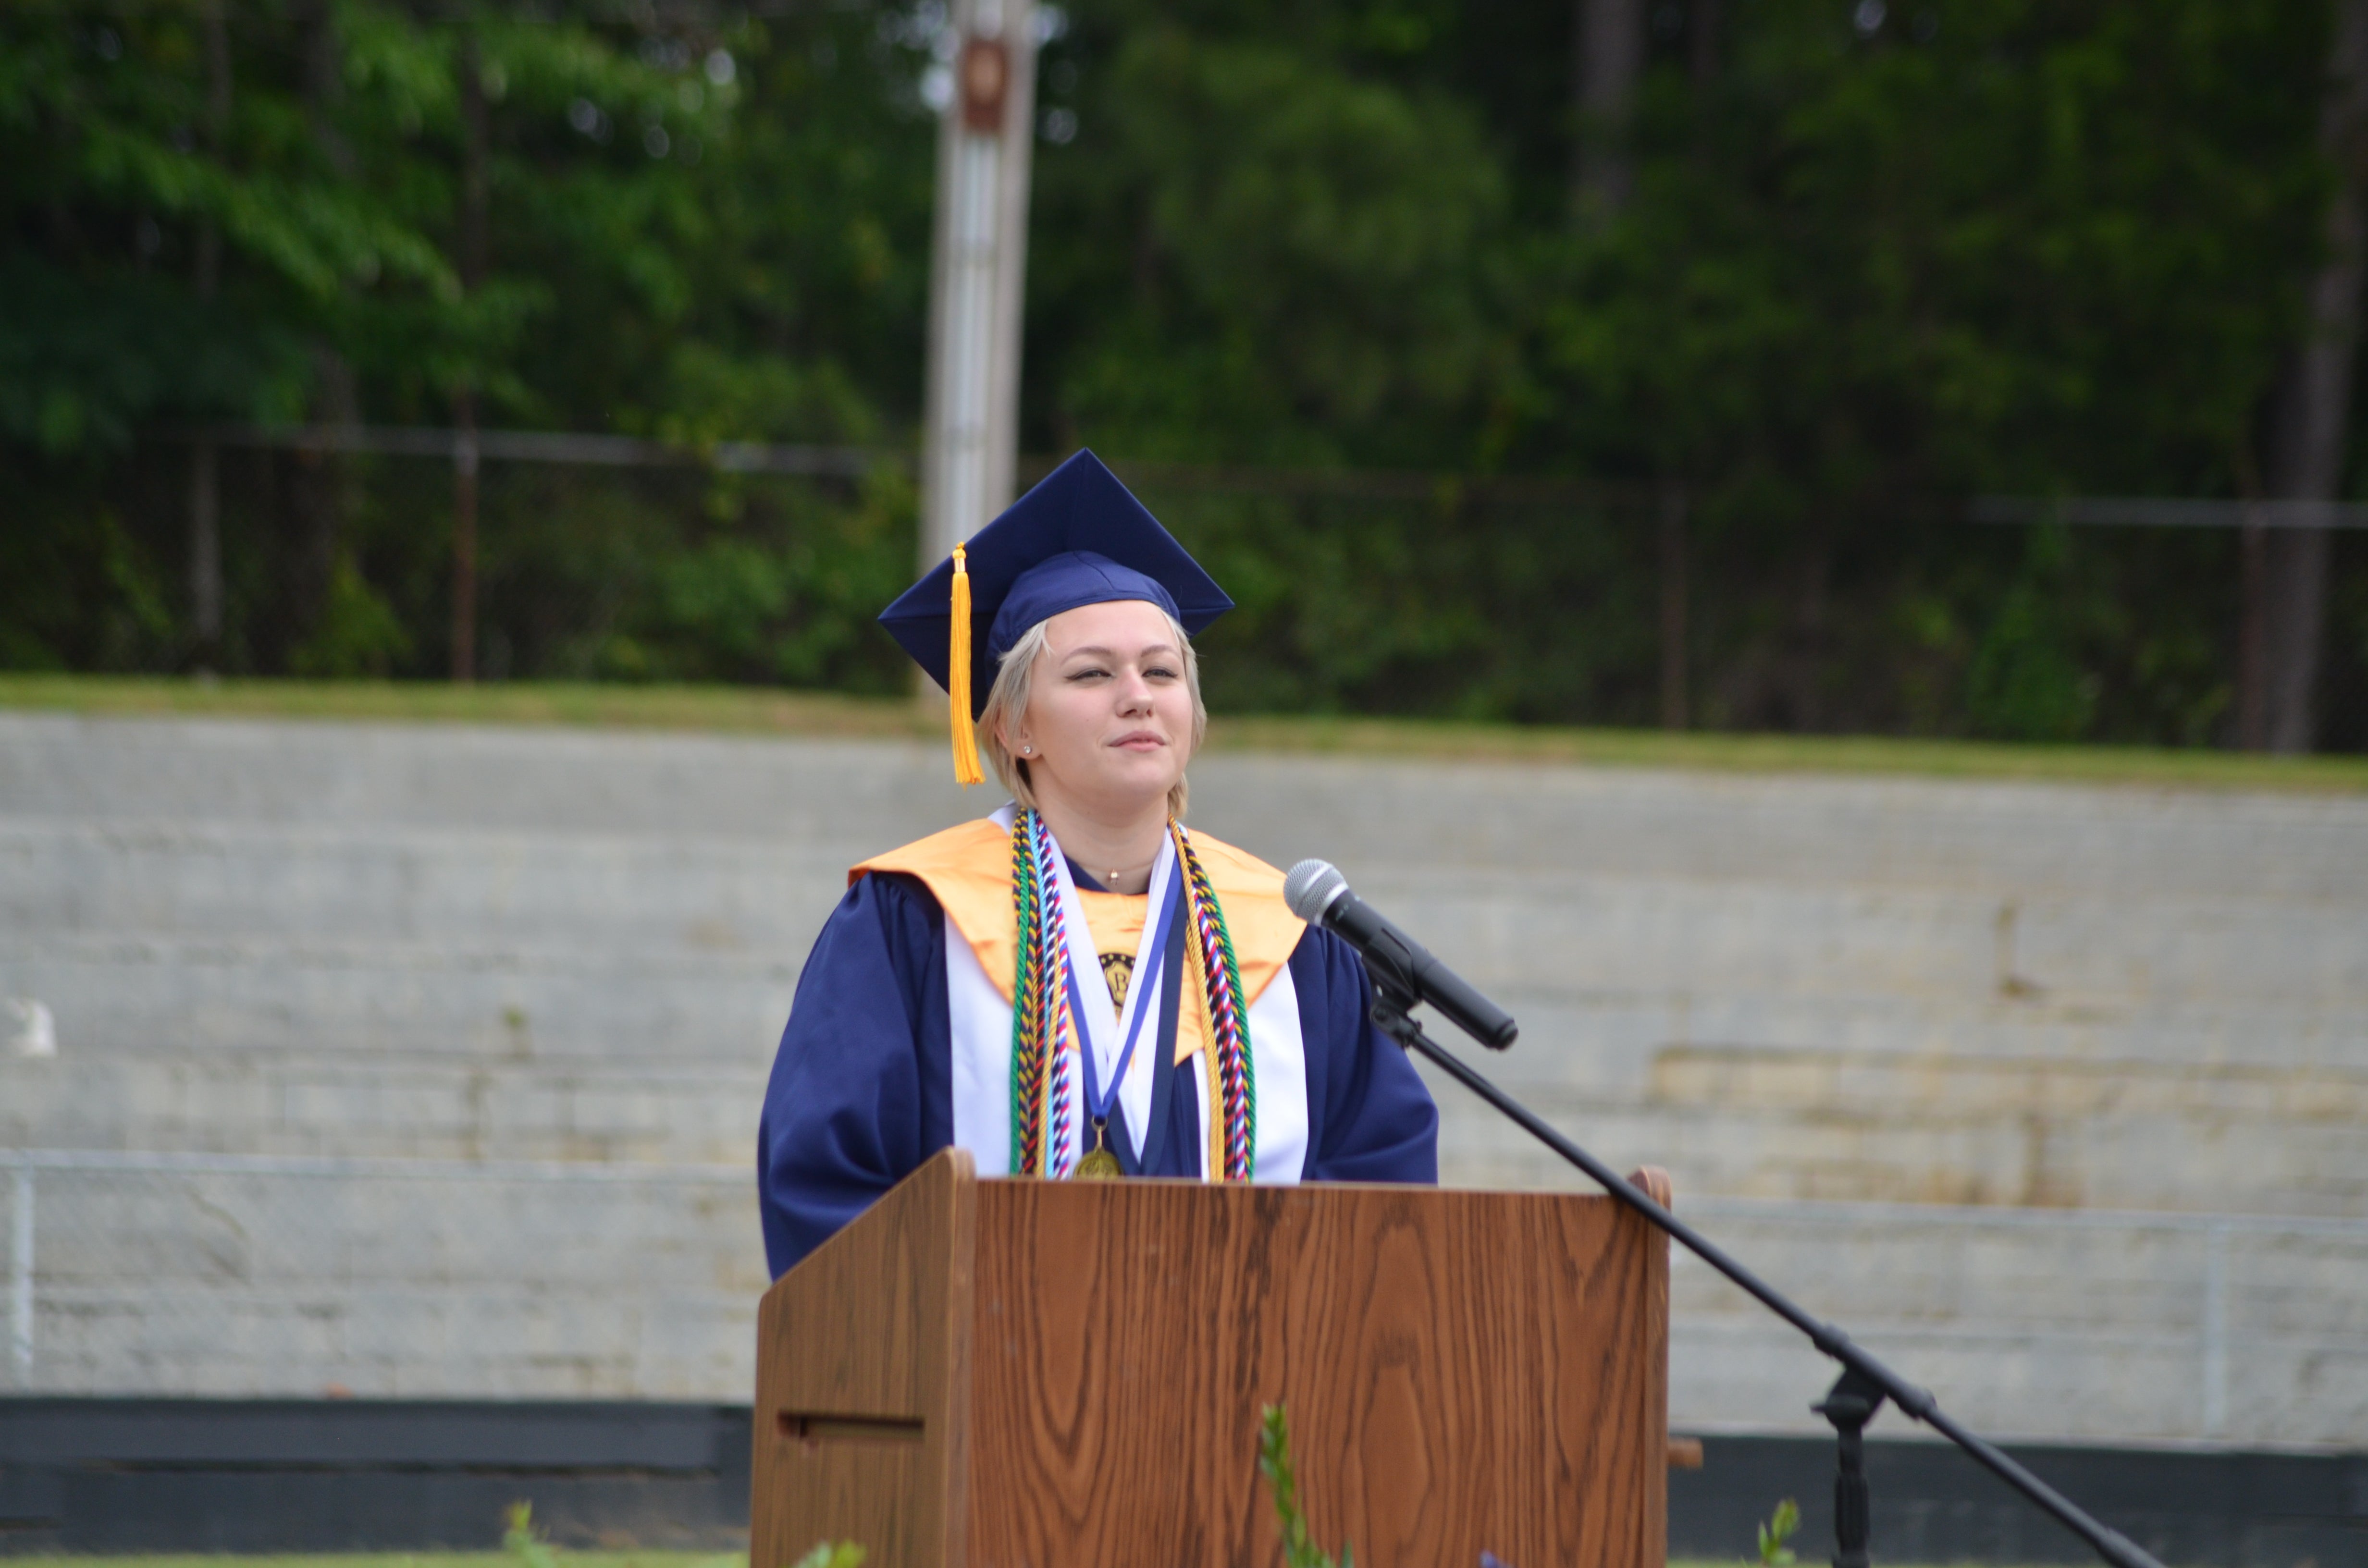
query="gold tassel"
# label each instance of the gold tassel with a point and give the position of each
(966, 772)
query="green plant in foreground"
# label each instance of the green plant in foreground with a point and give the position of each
(523, 1541)
(1773, 1552)
(1274, 1463)
(833, 1554)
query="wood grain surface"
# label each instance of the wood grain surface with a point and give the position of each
(1464, 1371)
(860, 1396)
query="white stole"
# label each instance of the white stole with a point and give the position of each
(981, 1023)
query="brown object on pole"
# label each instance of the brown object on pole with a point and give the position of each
(986, 81)
(1608, 45)
(474, 199)
(1073, 1372)
(2312, 405)
(1673, 607)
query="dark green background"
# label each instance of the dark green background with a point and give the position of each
(2000, 248)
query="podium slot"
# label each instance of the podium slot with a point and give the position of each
(817, 1426)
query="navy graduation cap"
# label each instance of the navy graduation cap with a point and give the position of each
(1079, 538)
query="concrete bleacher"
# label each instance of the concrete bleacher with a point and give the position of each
(360, 942)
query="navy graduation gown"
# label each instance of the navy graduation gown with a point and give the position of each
(862, 1087)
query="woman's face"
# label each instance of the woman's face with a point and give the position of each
(1109, 726)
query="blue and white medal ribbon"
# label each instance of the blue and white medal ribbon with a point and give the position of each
(1145, 992)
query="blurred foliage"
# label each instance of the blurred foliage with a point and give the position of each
(526, 1541)
(1867, 269)
(712, 231)
(1775, 1531)
(1865, 272)
(1454, 605)
(1274, 1466)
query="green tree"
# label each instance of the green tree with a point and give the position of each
(1869, 262)
(2003, 247)
(697, 233)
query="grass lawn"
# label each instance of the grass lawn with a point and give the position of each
(762, 710)
(567, 1559)
(570, 1558)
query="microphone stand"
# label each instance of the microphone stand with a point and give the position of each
(1865, 1381)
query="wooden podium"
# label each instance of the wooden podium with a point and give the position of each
(1030, 1374)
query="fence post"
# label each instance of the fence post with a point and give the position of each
(2216, 1329)
(20, 1273)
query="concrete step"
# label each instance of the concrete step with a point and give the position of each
(2201, 1162)
(2089, 969)
(1809, 830)
(2095, 955)
(487, 944)
(405, 1107)
(1367, 814)
(472, 777)
(420, 941)
(2092, 1326)
(1955, 1132)
(421, 1279)
(254, 1277)
(418, 889)
(133, 995)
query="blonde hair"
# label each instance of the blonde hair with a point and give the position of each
(1014, 681)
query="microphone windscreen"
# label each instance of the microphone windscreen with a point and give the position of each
(1311, 887)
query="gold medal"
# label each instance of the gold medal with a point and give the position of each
(1099, 1164)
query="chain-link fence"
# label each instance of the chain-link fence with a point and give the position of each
(339, 553)
(190, 1274)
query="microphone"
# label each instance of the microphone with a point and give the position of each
(1319, 895)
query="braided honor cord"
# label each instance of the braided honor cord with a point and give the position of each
(1055, 1024)
(1042, 1089)
(1228, 1021)
(1027, 1010)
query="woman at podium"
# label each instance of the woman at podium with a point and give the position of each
(1077, 986)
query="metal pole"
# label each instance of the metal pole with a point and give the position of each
(978, 272)
(205, 557)
(1673, 607)
(1850, 1406)
(1390, 1015)
(464, 539)
(20, 1275)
